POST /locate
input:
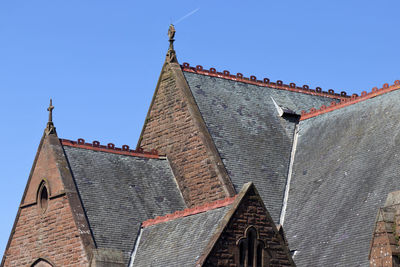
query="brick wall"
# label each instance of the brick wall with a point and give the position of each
(171, 129)
(51, 234)
(381, 254)
(250, 212)
(385, 242)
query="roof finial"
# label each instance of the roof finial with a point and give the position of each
(50, 110)
(50, 129)
(171, 57)
(171, 35)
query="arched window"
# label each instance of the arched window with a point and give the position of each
(41, 263)
(251, 249)
(259, 253)
(43, 196)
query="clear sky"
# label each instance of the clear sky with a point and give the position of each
(100, 60)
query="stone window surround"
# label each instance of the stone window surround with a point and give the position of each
(258, 247)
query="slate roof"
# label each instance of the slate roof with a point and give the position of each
(179, 242)
(346, 163)
(118, 192)
(252, 140)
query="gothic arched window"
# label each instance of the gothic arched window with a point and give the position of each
(41, 263)
(251, 249)
(43, 196)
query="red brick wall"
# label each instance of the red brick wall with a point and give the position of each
(52, 234)
(250, 212)
(171, 129)
(383, 244)
(45, 169)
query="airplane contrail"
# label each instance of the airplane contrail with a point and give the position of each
(187, 15)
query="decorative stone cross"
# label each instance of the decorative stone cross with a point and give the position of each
(50, 110)
(50, 129)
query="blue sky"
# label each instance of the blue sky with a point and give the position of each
(100, 61)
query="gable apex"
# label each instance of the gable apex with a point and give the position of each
(247, 202)
(196, 236)
(174, 116)
(45, 214)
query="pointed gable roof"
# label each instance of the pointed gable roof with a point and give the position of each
(253, 141)
(346, 162)
(120, 189)
(50, 169)
(180, 241)
(190, 237)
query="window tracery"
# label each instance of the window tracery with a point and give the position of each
(251, 249)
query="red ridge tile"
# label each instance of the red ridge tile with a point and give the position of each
(305, 89)
(189, 211)
(110, 148)
(350, 101)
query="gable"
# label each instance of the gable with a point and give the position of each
(45, 232)
(46, 169)
(174, 127)
(210, 234)
(248, 214)
(346, 163)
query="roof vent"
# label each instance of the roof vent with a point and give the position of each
(283, 111)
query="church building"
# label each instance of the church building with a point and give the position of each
(228, 171)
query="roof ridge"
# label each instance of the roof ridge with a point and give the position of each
(110, 148)
(190, 211)
(265, 82)
(355, 98)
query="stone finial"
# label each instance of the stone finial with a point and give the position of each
(171, 35)
(50, 110)
(171, 56)
(50, 129)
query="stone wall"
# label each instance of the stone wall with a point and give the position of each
(385, 249)
(47, 232)
(250, 213)
(51, 235)
(172, 129)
